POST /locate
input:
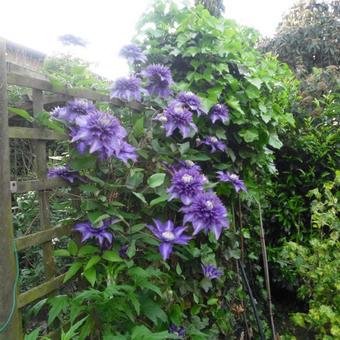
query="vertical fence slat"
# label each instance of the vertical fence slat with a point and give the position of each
(41, 168)
(7, 259)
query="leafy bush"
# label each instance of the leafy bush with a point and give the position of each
(317, 264)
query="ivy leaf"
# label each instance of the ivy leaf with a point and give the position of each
(249, 135)
(274, 141)
(156, 180)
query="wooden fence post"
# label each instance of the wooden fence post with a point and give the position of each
(8, 267)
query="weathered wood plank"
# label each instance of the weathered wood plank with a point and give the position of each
(40, 291)
(36, 185)
(41, 237)
(7, 259)
(42, 84)
(35, 133)
(41, 168)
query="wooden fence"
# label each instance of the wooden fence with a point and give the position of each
(43, 92)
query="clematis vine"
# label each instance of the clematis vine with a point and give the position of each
(100, 234)
(206, 213)
(214, 143)
(211, 272)
(159, 80)
(233, 179)
(169, 235)
(186, 183)
(219, 112)
(127, 89)
(63, 172)
(133, 54)
(176, 116)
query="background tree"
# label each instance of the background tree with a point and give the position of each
(215, 7)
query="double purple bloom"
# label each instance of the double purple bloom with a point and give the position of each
(133, 54)
(101, 133)
(186, 184)
(219, 112)
(206, 213)
(211, 272)
(169, 235)
(190, 101)
(127, 89)
(176, 116)
(232, 178)
(101, 234)
(179, 331)
(214, 143)
(159, 80)
(72, 110)
(64, 172)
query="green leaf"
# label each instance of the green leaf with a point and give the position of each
(206, 284)
(61, 253)
(137, 227)
(72, 248)
(152, 310)
(34, 335)
(141, 197)
(73, 270)
(212, 301)
(72, 332)
(87, 250)
(22, 113)
(274, 141)
(111, 256)
(91, 275)
(93, 261)
(138, 128)
(58, 303)
(83, 162)
(249, 135)
(132, 249)
(183, 148)
(156, 180)
(159, 200)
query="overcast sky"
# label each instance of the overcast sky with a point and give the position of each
(107, 25)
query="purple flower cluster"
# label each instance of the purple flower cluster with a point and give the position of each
(219, 112)
(101, 133)
(127, 89)
(214, 143)
(72, 110)
(133, 54)
(64, 172)
(159, 80)
(186, 183)
(190, 101)
(100, 234)
(211, 272)
(176, 116)
(233, 179)
(169, 235)
(207, 213)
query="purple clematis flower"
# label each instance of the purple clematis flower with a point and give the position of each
(232, 178)
(190, 101)
(127, 89)
(214, 143)
(159, 80)
(64, 172)
(133, 54)
(72, 110)
(179, 331)
(101, 234)
(211, 272)
(178, 117)
(99, 132)
(186, 184)
(123, 251)
(219, 112)
(206, 213)
(169, 235)
(126, 152)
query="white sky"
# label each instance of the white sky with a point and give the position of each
(107, 25)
